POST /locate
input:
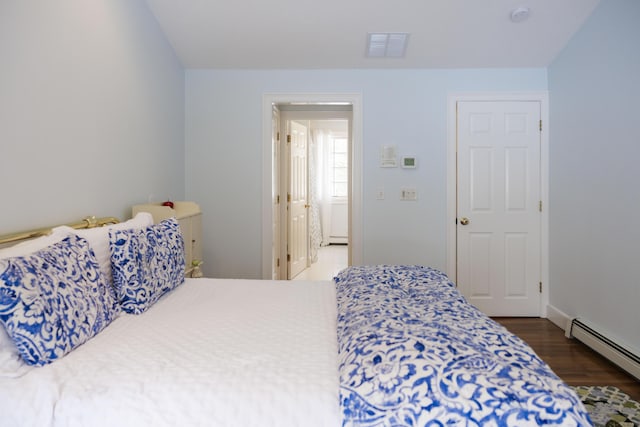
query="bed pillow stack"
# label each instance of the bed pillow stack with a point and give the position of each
(54, 299)
(58, 291)
(11, 363)
(98, 239)
(146, 264)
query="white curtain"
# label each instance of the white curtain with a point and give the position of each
(315, 191)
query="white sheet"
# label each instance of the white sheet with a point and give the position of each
(211, 353)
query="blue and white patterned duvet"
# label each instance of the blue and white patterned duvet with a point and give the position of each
(413, 352)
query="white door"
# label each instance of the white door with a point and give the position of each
(298, 249)
(275, 192)
(498, 206)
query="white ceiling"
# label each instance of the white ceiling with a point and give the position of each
(332, 33)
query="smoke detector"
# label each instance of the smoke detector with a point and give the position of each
(520, 14)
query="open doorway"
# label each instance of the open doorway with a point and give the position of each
(314, 176)
(273, 202)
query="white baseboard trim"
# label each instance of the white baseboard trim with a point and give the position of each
(559, 318)
(619, 353)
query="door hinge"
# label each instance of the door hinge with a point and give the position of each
(289, 197)
(540, 287)
(540, 125)
(540, 205)
(288, 257)
(278, 262)
(288, 138)
(278, 136)
(278, 200)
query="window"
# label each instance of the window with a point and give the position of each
(339, 162)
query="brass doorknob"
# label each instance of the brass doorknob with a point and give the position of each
(464, 221)
(307, 206)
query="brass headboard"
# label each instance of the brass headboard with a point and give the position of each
(88, 222)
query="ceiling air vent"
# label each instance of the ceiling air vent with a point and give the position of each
(387, 45)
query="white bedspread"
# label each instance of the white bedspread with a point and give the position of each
(211, 353)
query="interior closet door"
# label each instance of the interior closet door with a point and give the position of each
(498, 206)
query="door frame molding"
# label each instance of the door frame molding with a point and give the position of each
(355, 198)
(451, 249)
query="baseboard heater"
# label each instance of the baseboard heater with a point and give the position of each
(613, 351)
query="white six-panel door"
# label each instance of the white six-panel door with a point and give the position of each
(275, 194)
(298, 205)
(498, 206)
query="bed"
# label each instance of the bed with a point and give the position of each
(130, 342)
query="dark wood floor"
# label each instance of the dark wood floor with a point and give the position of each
(571, 360)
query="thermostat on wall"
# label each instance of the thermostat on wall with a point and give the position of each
(388, 158)
(409, 162)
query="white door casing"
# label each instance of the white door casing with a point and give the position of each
(298, 245)
(499, 194)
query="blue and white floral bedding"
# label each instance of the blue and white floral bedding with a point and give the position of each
(413, 352)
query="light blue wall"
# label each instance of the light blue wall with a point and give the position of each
(91, 111)
(594, 88)
(92, 120)
(407, 108)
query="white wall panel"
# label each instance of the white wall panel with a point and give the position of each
(594, 173)
(91, 111)
(406, 108)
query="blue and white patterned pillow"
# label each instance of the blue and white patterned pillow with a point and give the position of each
(54, 300)
(146, 264)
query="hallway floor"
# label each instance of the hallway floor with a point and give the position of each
(331, 259)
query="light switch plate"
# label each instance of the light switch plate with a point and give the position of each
(408, 194)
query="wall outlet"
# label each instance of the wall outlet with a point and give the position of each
(380, 194)
(408, 194)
